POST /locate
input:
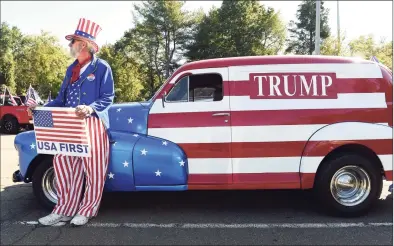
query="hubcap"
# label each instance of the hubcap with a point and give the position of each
(350, 185)
(49, 185)
(8, 125)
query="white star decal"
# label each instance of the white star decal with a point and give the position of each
(143, 152)
(125, 164)
(182, 163)
(130, 120)
(165, 143)
(158, 173)
(118, 110)
(111, 175)
(135, 135)
(32, 146)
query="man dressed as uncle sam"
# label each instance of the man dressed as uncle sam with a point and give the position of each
(88, 87)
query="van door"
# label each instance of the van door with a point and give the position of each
(196, 116)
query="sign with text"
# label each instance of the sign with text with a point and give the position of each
(292, 85)
(60, 131)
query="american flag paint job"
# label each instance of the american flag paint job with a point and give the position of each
(252, 143)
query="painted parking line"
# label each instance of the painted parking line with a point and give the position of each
(221, 225)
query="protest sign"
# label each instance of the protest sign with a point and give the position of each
(59, 131)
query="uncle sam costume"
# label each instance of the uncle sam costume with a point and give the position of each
(95, 88)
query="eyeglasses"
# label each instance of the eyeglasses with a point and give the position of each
(74, 40)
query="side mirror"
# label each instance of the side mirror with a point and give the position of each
(163, 98)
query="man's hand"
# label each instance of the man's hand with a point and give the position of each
(30, 109)
(83, 111)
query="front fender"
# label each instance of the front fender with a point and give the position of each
(376, 137)
(25, 145)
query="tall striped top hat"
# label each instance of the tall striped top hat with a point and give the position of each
(86, 30)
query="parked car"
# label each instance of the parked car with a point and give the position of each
(247, 123)
(13, 118)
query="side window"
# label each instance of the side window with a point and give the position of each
(179, 92)
(197, 88)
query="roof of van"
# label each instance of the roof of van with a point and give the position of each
(274, 59)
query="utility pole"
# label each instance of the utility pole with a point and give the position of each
(339, 32)
(317, 39)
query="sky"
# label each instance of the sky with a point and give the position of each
(61, 17)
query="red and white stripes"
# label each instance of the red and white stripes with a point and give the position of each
(262, 140)
(89, 27)
(69, 172)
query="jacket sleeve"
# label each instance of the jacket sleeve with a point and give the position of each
(107, 94)
(58, 101)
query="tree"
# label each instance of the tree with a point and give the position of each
(330, 46)
(302, 32)
(167, 28)
(155, 44)
(237, 28)
(42, 64)
(126, 74)
(11, 39)
(365, 47)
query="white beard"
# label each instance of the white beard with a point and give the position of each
(74, 52)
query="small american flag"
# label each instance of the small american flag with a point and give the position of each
(31, 100)
(373, 58)
(60, 126)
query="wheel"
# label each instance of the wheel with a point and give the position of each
(10, 125)
(348, 185)
(44, 184)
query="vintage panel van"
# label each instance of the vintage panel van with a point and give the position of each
(269, 122)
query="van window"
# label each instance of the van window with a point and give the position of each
(197, 88)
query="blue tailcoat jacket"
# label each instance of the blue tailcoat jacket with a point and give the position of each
(96, 89)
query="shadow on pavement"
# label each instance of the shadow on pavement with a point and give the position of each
(17, 201)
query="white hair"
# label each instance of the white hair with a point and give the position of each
(90, 48)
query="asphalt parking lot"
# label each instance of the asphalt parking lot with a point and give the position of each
(191, 218)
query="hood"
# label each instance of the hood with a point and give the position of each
(129, 117)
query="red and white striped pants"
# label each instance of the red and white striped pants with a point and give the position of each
(69, 172)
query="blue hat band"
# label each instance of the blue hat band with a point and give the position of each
(84, 34)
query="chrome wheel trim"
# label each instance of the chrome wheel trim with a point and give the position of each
(350, 185)
(48, 185)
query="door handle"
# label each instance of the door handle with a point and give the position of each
(221, 114)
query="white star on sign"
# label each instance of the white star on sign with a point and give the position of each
(111, 175)
(182, 163)
(125, 164)
(165, 143)
(158, 173)
(143, 152)
(118, 110)
(32, 146)
(130, 120)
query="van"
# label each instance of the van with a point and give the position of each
(250, 123)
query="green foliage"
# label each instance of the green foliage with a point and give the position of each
(155, 43)
(36, 60)
(164, 35)
(237, 28)
(331, 46)
(43, 64)
(302, 32)
(365, 47)
(126, 76)
(10, 46)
